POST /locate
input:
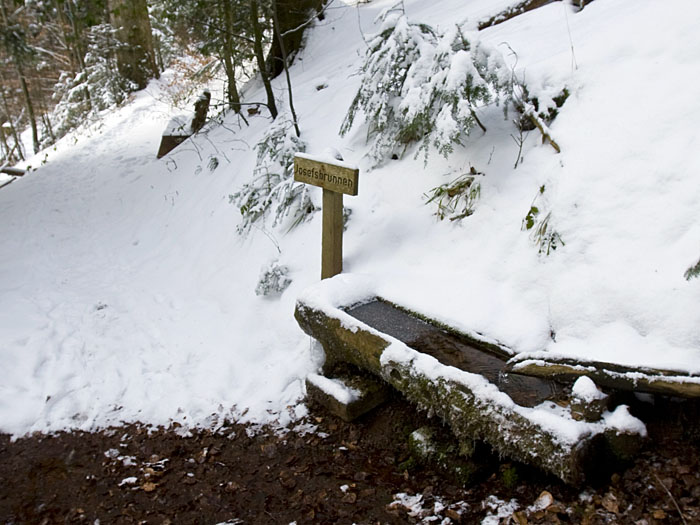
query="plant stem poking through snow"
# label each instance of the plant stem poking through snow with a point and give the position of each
(457, 199)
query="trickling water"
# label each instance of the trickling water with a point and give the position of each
(454, 350)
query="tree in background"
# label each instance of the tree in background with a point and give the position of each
(136, 58)
(219, 29)
(293, 16)
(13, 40)
(62, 61)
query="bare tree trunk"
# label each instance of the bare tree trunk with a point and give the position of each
(5, 148)
(72, 42)
(23, 83)
(13, 129)
(234, 99)
(280, 39)
(291, 19)
(136, 60)
(260, 57)
(30, 107)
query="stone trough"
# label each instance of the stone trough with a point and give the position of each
(465, 382)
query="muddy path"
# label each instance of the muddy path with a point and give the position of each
(325, 471)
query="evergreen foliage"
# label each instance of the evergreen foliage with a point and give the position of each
(97, 87)
(693, 271)
(274, 279)
(273, 190)
(165, 44)
(421, 85)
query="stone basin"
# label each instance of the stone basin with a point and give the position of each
(456, 350)
(462, 381)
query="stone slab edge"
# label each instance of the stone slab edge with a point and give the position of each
(372, 393)
(346, 339)
(618, 377)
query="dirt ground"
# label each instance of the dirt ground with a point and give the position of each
(325, 471)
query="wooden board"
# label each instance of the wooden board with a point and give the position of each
(334, 177)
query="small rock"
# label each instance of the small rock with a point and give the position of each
(543, 501)
(453, 515)
(659, 514)
(610, 503)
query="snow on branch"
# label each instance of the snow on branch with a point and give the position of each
(421, 85)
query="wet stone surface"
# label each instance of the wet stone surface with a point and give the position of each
(454, 350)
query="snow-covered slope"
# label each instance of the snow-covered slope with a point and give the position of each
(127, 294)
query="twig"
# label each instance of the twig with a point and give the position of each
(519, 140)
(359, 24)
(574, 64)
(271, 237)
(672, 498)
(537, 121)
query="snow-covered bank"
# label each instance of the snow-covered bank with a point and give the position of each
(126, 292)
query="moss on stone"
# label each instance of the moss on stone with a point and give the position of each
(469, 417)
(429, 446)
(359, 348)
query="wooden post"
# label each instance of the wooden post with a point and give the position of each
(336, 179)
(332, 234)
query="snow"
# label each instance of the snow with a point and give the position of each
(621, 418)
(5, 179)
(178, 126)
(126, 293)
(131, 480)
(585, 389)
(498, 509)
(329, 156)
(335, 388)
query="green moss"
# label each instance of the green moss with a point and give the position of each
(359, 348)
(470, 418)
(433, 446)
(509, 476)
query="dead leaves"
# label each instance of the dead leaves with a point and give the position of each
(149, 486)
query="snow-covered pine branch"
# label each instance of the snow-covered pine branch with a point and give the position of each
(420, 85)
(273, 190)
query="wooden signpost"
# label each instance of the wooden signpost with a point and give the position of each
(336, 178)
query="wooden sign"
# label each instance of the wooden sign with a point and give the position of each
(336, 178)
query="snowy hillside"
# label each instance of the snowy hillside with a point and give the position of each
(127, 294)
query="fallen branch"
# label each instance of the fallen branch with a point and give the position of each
(540, 124)
(672, 498)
